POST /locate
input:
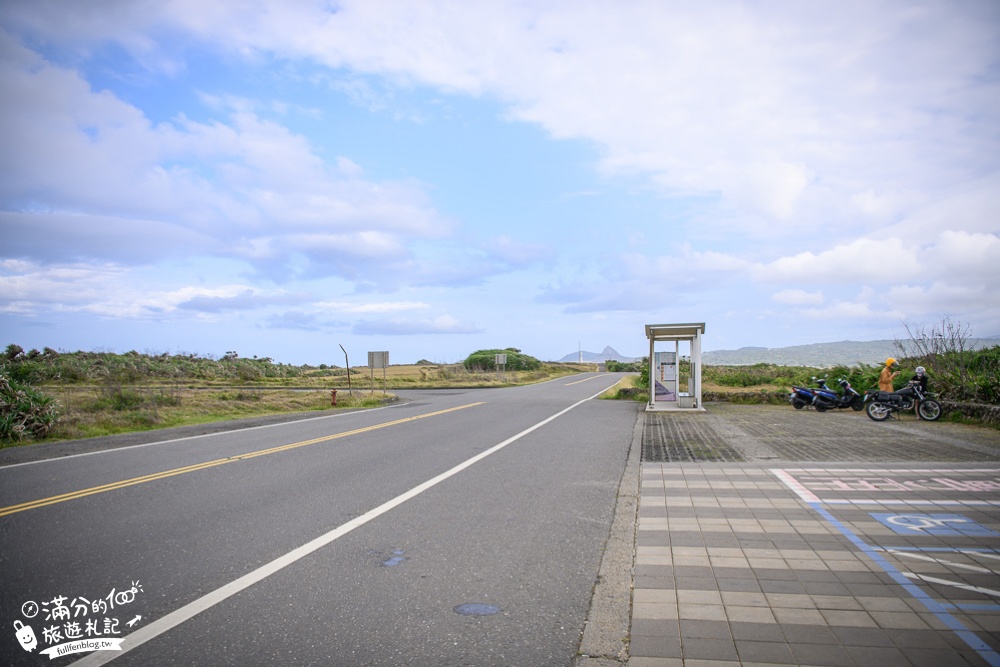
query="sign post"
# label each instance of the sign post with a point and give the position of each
(378, 360)
(501, 363)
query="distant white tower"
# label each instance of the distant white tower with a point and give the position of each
(579, 347)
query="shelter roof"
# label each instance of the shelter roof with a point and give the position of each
(674, 331)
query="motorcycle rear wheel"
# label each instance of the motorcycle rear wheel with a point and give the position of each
(878, 411)
(930, 410)
(858, 404)
(798, 403)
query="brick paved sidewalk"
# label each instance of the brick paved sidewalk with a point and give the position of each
(776, 537)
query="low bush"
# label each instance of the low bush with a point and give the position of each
(25, 413)
(485, 360)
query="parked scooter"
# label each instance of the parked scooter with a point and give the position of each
(849, 398)
(803, 396)
(823, 398)
(883, 404)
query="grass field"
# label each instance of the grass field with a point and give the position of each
(92, 409)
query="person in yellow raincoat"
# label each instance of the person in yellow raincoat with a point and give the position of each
(888, 374)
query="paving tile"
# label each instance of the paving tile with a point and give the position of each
(798, 616)
(764, 652)
(900, 620)
(843, 602)
(655, 628)
(877, 656)
(850, 619)
(746, 584)
(744, 599)
(655, 647)
(824, 588)
(685, 596)
(642, 661)
(650, 610)
(762, 632)
(929, 657)
(828, 655)
(907, 638)
(650, 581)
(781, 586)
(653, 570)
(789, 600)
(864, 637)
(697, 583)
(701, 612)
(709, 649)
(749, 614)
(705, 629)
(808, 634)
(655, 595)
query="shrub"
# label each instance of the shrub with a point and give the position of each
(25, 413)
(486, 360)
(614, 366)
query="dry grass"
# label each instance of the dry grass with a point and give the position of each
(427, 376)
(95, 411)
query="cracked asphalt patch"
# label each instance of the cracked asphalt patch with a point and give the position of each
(744, 433)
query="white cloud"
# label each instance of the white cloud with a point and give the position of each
(863, 260)
(443, 324)
(798, 297)
(374, 307)
(964, 258)
(92, 175)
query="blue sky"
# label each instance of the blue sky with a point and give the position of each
(279, 178)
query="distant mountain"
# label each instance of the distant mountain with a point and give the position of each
(608, 354)
(820, 355)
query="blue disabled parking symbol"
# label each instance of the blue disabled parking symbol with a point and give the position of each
(933, 524)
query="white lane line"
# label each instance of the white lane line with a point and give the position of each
(188, 611)
(956, 584)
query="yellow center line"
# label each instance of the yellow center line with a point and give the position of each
(52, 500)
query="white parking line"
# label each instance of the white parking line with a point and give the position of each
(966, 566)
(956, 584)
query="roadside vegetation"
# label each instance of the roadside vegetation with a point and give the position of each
(49, 395)
(959, 374)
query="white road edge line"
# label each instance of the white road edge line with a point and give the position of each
(188, 611)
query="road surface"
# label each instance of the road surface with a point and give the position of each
(457, 528)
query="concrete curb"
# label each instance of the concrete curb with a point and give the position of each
(606, 632)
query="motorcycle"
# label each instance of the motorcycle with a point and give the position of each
(883, 404)
(823, 398)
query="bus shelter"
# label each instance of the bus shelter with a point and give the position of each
(672, 384)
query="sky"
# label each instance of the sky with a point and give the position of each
(281, 178)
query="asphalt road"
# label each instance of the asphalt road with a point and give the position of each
(457, 528)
